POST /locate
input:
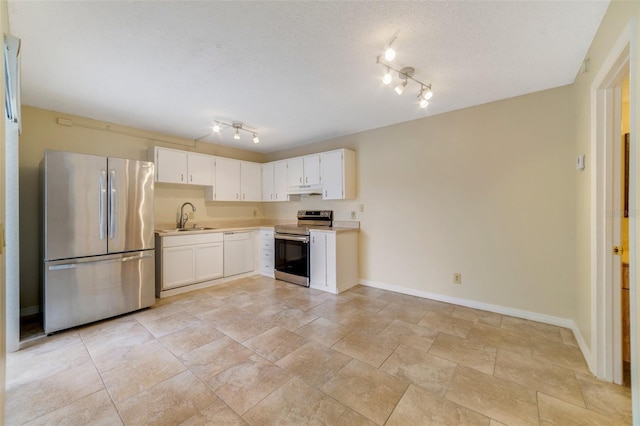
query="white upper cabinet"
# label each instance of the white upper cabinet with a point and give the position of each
(268, 190)
(200, 169)
(236, 181)
(171, 165)
(227, 179)
(338, 175)
(175, 166)
(250, 181)
(304, 172)
(274, 181)
(280, 181)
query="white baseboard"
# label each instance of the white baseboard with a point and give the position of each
(503, 310)
(29, 310)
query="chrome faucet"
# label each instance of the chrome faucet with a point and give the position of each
(183, 219)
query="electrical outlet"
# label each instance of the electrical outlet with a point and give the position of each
(191, 215)
(457, 278)
(353, 215)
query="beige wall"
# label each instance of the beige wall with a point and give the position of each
(41, 131)
(615, 20)
(485, 191)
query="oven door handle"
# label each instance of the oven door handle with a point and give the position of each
(301, 238)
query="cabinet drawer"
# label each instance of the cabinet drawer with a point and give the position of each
(186, 240)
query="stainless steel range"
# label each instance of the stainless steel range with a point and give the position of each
(292, 246)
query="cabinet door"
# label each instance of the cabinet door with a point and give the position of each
(171, 165)
(227, 179)
(251, 181)
(209, 261)
(318, 259)
(178, 266)
(332, 176)
(200, 168)
(311, 170)
(280, 181)
(295, 172)
(268, 182)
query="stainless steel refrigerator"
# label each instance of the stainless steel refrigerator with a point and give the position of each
(98, 243)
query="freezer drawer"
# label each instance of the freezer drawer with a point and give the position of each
(81, 291)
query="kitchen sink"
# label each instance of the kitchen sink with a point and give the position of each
(195, 228)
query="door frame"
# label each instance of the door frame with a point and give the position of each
(606, 330)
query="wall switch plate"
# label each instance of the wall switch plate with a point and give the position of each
(580, 162)
(353, 215)
(361, 208)
(457, 278)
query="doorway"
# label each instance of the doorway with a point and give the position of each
(625, 306)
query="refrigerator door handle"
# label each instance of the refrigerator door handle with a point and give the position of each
(112, 202)
(89, 263)
(101, 221)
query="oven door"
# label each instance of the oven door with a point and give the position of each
(292, 258)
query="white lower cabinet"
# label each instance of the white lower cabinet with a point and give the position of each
(183, 260)
(333, 260)
(267, 253)
(209, 261)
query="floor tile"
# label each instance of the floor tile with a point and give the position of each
(496, 398)
(244, 385)
(190, 338)
(556, 412)
(477, 316)
(214, 357)
(366, 323)
(35, 363)
(304, 302)
(324, 331)
(157, 312)
(314, 363)
(141, 372)
(405, 313)
(532, 328)
(568, 338)
(263, 307)
(501, 338)
(96, 409)
(169, 402)
(446, 324)
(296, 403)
(558, 353)
(420, 407)
(217, 413)
(291, 319)
(409, 334)
(427, 371)
(352, 418)
(370, 349)
(606, 398)
(39, 397)
(134, 345)
(550, 379)
(171, 323)
(369, 391)
(275, 343)
(466, 352)
(244, 327)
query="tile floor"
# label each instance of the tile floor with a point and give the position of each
(261, 352)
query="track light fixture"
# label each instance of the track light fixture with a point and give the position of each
(404, 74)
(218, 126)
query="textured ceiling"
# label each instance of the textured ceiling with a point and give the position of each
(297, 72)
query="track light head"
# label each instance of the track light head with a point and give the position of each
(255, 138)
(387, 77)
(400, 87)
(389, 54)
(428, 94)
